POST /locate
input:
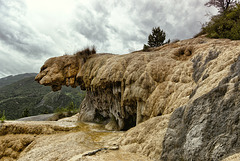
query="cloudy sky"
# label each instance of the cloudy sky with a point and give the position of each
(32, 31)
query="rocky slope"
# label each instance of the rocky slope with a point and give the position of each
(193, 82)
(208, 127)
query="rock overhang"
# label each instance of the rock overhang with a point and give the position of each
(140, 85)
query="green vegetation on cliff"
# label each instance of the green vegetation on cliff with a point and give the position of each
(27, 97)
(225, 25)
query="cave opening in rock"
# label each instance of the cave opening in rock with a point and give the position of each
(129, 122)
(99, 118)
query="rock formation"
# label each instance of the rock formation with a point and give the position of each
(60, 140)
(209, 127)
(18, 137)
(127, 88)
(146, 138)
(196, 81)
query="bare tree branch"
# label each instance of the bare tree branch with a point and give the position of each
(222, 5)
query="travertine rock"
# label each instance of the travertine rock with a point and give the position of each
(146, 138)
(34, 127)
(137, 86)
(195, 80)
(209, 127)
(83, 142)
(235, 157)
(12, 145)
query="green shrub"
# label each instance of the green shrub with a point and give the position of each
(25, 112)
(225, 25)
(2, 117)
(67, 111)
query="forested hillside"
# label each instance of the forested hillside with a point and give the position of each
(11, 79)
(26, 97)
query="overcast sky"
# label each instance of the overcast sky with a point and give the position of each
(32, 31)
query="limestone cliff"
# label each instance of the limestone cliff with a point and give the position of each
(209, 127)
(193, 82)
(134, 87)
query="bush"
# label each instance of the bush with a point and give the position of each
(85, 53)
(68, 111)
(2, 117)
(25, 112)
(225, 25)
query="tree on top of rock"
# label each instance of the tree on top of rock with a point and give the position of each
(157, 37)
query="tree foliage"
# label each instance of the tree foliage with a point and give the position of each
(157, 37)
(25, 112)
(2, 116)
(225, 25)
(222, 5)
(67, 111)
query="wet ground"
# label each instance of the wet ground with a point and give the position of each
(65, 139)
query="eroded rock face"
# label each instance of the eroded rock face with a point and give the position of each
(209, 127)
(106, 108)
(12, 145)
(146, 138)
(125, 90)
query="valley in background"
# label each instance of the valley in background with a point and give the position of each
(22, 96)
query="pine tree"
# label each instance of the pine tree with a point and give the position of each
(157, 37)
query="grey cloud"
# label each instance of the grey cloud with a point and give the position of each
(15, 63)
(95, 25)
(92, 24)
(17, 32)
(101, 8)
(179, 19)
(10, 65)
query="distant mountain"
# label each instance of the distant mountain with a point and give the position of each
(11, 79)
(26, 95)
